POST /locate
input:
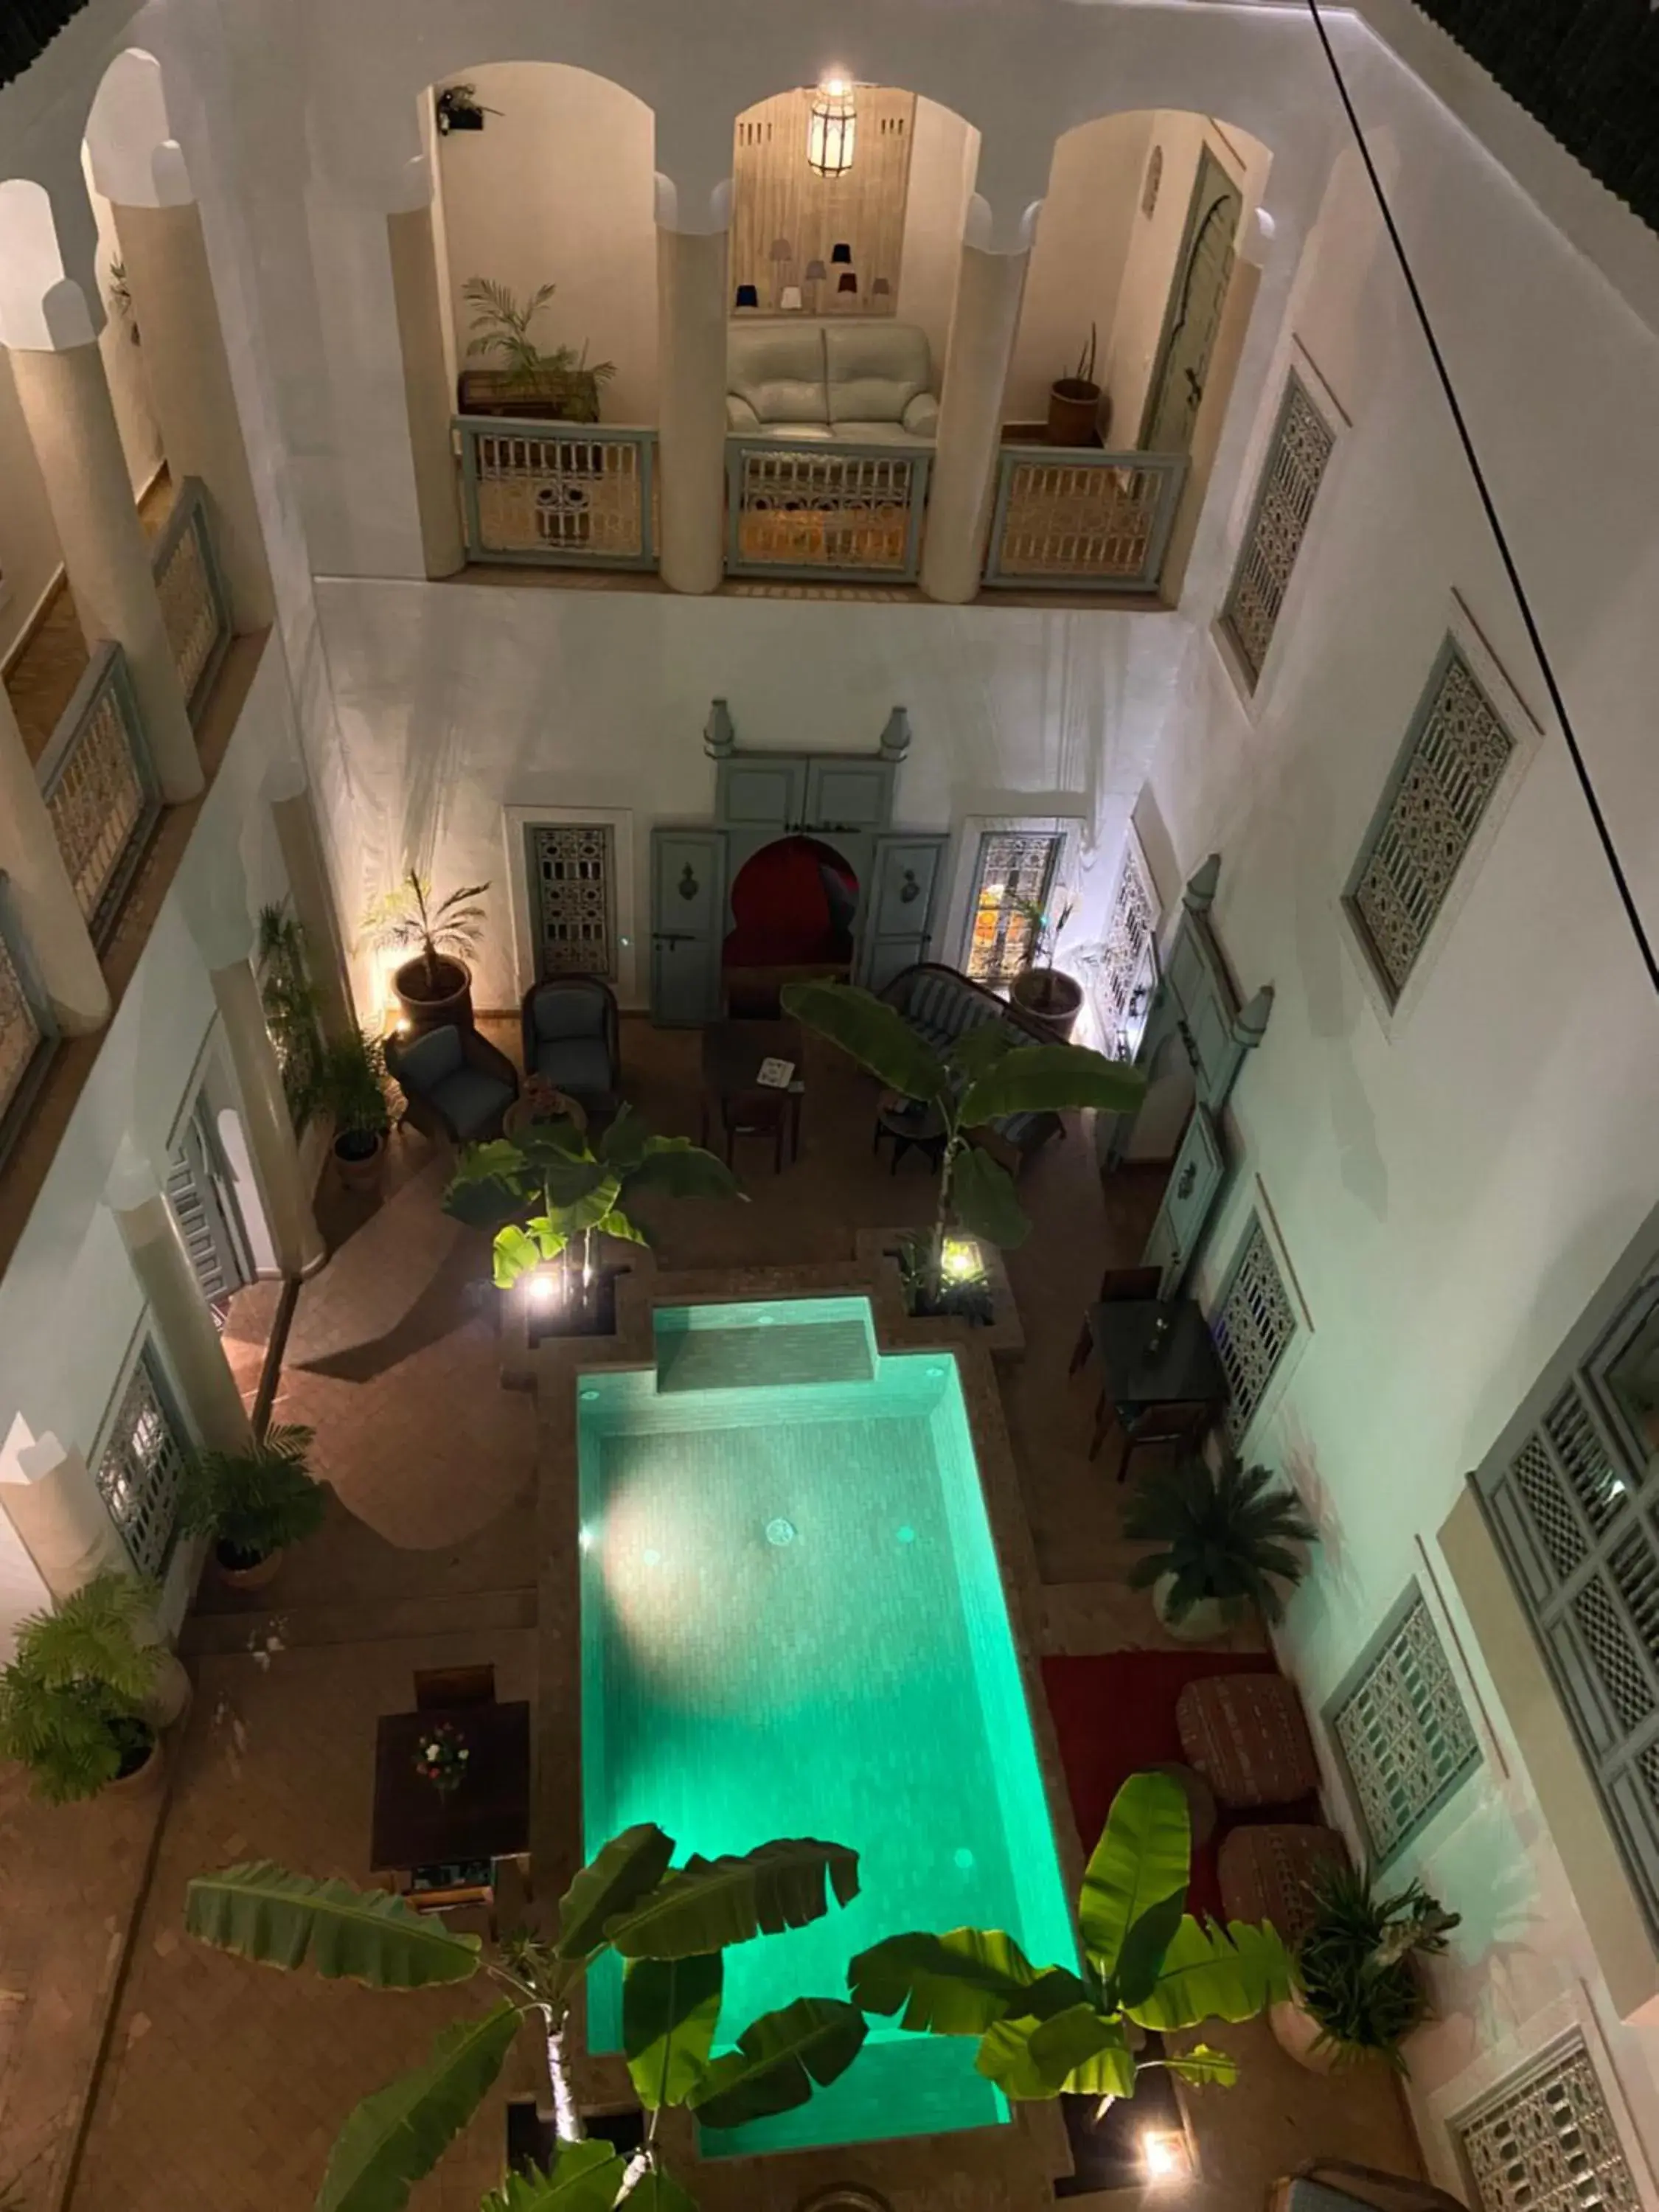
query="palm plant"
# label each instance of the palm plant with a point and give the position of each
(407, 919)
(1353, 1965)
(254, 1503)
(502, 326)
(548, 1192)
(1222, 1535)
(981, 1077)
(350, 1088)
(1147, 1964)
(293, 1009)
(73, 1700)
(670, 1928)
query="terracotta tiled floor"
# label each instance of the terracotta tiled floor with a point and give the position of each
(224, 2085)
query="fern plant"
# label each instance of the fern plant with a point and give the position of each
(446, 930)
(502, 328)
(1354, 1966)
(256, 1502)
(293, 1009)
(73, 1700)
(1222, 1535)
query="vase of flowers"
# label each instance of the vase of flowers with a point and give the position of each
(442, 1756)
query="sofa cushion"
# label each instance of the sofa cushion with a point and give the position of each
(779, 370)
(1247, 1736)
(936, 1004)
(872, 433)
(873, 371)
(564, 1014)
(578, 1064)
(1267, 1871)
(422, 1065)
(469, 1100)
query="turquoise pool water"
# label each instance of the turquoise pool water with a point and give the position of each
(793, 1624)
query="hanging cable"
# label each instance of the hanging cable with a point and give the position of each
(1621, 882)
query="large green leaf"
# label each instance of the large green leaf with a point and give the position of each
(982, 1195)
(617, 1877)
(682, 1170)
(876, 1035)
(1145, 1947)
(709, 1903)
(1110, 2072)
(622, 1145)
(670, 2008)
(958, 1984)
(778, 2059)
(262, 1911)
(1039, 2058)
(1036, 1079)
(1203, 2064)
(1143, 1856)
(1212, 1973)
(396, 2136)
(977, 1050)
(657, 2192)
(571, 1185)
(520, 1251)
(584, 2177)
(624, 1230)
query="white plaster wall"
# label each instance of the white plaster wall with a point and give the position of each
(28, 543)
(557, 189)
(1089, 214)
(944, 155)
(125, 368)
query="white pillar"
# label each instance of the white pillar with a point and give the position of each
(71, 425)
(61, 1519)
(983, 325)
(428, 403)
(692, 327)
(301, 842)
(178, 1311)
(42, 897)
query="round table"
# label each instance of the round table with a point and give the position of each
(907, 1122)
(543, 1104)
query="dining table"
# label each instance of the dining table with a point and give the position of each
(487, 1816)
(1155, 1351)
(733, 1052)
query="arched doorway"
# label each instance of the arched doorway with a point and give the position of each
(793, 906)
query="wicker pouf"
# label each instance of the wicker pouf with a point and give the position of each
(1267, 1872)
(1246, 1736)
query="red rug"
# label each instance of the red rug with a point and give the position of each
(1116, 1714)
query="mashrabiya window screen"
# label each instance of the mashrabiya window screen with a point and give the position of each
(1016, 868)
(1122, 971)
(572, 879)
(1302, 443)
(1574, 1510)
(1252, 1327)
(1453, 761)
(141, 1466)
(1544, 2141)
(1402, 1727)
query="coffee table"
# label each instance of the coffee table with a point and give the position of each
(543, 1103)
(731, 1057)
(488, 1817)
(909, 1124)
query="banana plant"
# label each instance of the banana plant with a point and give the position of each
(669, 1927)
(548, 1192)
(1147, 1963)
(981, 1077)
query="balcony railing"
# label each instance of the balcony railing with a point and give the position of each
(99, 789)
(29, 1036)
(1082, 521)
(194, 605)
(846, 514)
(572, 495)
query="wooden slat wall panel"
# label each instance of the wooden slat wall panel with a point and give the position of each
(776, 196)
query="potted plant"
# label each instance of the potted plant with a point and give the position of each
(80, 1702)
(293, 1009)
(561, 387)
(351, 1089)
(254, 1505)
(981, 1078)
(963, 1290)
(1356, 1991)
(1041, 990)
(1074, 401)
(435, 987)
(1221, 1541)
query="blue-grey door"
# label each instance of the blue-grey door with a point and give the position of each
(1194, 1181)
(1193, 315)
(856, 795)
(688, 924)
(896, 920)
(768, 791)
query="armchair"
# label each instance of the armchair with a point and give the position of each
(455, 1084)
(570, 1036)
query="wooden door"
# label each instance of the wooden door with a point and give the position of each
(897, 914)
(1196, 298)
(688, 924)
(1194, 1181)
(203, 1203)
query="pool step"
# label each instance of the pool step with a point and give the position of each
(743, 1357)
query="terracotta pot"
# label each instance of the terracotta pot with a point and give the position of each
(1074, 411)
(1297, 2033)
(169, 1701)
(427, 1008)
(142, 1779)
(359, 1173)
(1203, 1622)
(843, 2197)
(1049, 997)
(248, 1578)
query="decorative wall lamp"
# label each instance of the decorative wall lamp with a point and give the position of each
(458, 109)
(815, 273)
(748, 296)
(781, 255)
(841, 254)
(831, 128)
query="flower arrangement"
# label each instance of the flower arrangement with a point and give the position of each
(442, 1756)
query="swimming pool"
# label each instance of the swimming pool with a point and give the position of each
(793, 1624)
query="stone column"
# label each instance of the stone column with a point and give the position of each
(172, 297)
(983, 325)
(179, 1313)
(42, 897)
(60, 1518)
(692, 324)
(301, 842)
(428, 399)
(71, 425)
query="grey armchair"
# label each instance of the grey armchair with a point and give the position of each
(570, 1036)
(455, 1084)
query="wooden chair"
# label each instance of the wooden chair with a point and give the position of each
(1116, 1283)
(1186, 1424)
(436, 1687)
(755, 1114)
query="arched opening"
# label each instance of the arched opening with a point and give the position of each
(793, 904)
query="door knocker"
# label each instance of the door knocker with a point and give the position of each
(688, 885)
(911, 889)
(1186, 1178)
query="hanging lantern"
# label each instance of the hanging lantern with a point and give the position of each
(831, 125)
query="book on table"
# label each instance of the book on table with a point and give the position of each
(777, 1075)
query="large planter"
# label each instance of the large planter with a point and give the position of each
(1049, 997)
(240, 1572)
(144, 1774)
(169, 1700)
(574, 398)
(442, 1001)
(358, 1156)
(843, 2197)
(1297, 2035)
(1074, 411)
(1206, 1622)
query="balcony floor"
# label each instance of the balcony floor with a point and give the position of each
(521, 573)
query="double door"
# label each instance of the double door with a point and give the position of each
(202, 1193)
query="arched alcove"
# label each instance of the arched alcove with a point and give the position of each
(793, 904)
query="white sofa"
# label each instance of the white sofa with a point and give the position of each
(866, 383)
